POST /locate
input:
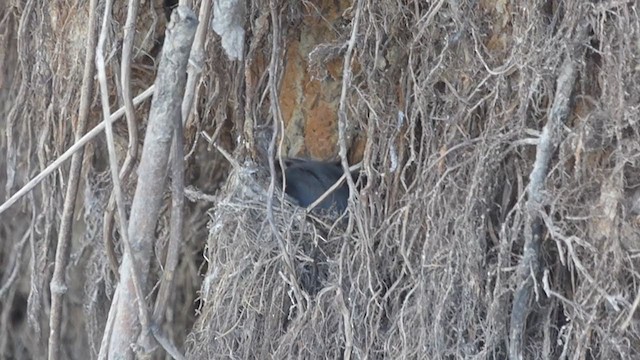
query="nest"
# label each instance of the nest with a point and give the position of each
(269, 275)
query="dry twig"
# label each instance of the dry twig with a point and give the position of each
(115, 176)
(166, 106)
(58, 282)
(529, 267)
(132, 127)
(177, 166)
(277, 128)
(77, 146)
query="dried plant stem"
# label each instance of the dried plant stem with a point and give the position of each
(165, 108)
(77, 146)
(58, 284)
(196, 59)
(342, 109)
(342, 142)
(167, 345)
(177, 166)
(127, 97)
(175, 234)
(529, 266)
(275, 113)
(108, 329)
(177, 222)
(132, 152)
(113, 163)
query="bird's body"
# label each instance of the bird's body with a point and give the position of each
(307, 180)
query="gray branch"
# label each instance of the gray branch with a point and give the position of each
(529, 266)
(165, 107)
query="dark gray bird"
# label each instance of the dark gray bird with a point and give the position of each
(307, 180)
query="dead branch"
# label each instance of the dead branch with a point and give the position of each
(77, 146)
(177, 166)
(132, 128)
(165, 107)
(177, 223)
(113, 164)
(529, 267)
(342, 110)
(342, 143)
(58, 282)
(196, 59)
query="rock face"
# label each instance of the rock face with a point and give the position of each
(311, 83)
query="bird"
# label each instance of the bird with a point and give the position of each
(307, 180)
